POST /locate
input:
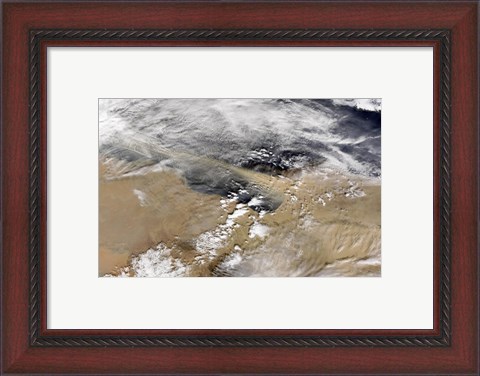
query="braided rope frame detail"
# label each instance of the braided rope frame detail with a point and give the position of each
(37, 36)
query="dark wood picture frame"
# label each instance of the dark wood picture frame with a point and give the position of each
(30, 27)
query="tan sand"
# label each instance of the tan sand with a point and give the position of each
(170, 212)
(328, 224)
(305, 235)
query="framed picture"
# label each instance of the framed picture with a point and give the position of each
(202, 187)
